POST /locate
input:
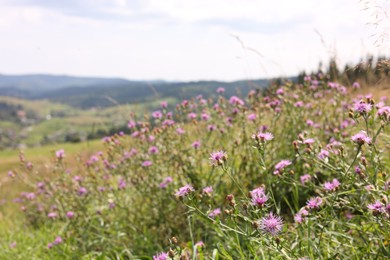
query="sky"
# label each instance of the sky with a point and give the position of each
(185, 40)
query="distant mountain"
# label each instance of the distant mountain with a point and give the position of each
(104, 92)
(43, 82)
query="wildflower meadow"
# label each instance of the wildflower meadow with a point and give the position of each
(294, 171)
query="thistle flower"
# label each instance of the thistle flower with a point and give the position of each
(164, 104)
(52, 215)
(377, 207)
(184, 191)
(384, 112)
(236, 101)
(157, 114)
(305, 178)
(361, 138)
(180, 131)
(121, 184)
(298, 218)
(205, 116)
(323, 154)
(271, 224)
(153, 150)
(356, 85)
(280, 91)
(192, 116)
(281, 165)
(131, 124)
(331, 186)
(251, 117)
(58, 240)
(147, 163)
(82, 191)
(218, 158)
(211, 128)
(168, 122)
(362, 108)
(262, 137)
(161, 256)
(216, 212)
(70, 214)
(220, 90)
(165, 182)
(196, 144)
(308, 141)
(259, 198)
(60, 154)
(314, 203)
(208, 190)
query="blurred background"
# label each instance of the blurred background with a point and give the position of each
(74, 70)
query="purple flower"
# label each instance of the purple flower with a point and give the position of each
(236, 101)
(305, 178)
(308, 141)
(208, 190)
(70, 214)
(168, 122)
(323, 154)
(77, 178)
(361, 138)
(376, 207)
(280, 91)
(331, 186)
(164, 104)
(258, 197)
(358, 170)
(199, 244)
(131, 124)
(160, 256)
(196, 144)
(180, 131)
(356, 85)
(299, 104)
(298, 218)
(220, 90)
(281, 165)
(384, 112)
(184, 191)
(262, 137)
(121, 184)
(218, 158)
(309, 122)
(205, 116)
(211, 128)
(216, 212)
(252, 117)
(192, 116)
(82, 191)
(314, 203)
(157, 114)
(271, 224)
(30, 196)
(58, 240)
(153, 150)
(147, 163)
(165, 182)
(52, 215)
(362, 108)
(60, 154)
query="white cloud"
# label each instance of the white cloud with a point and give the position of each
(179, 40)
